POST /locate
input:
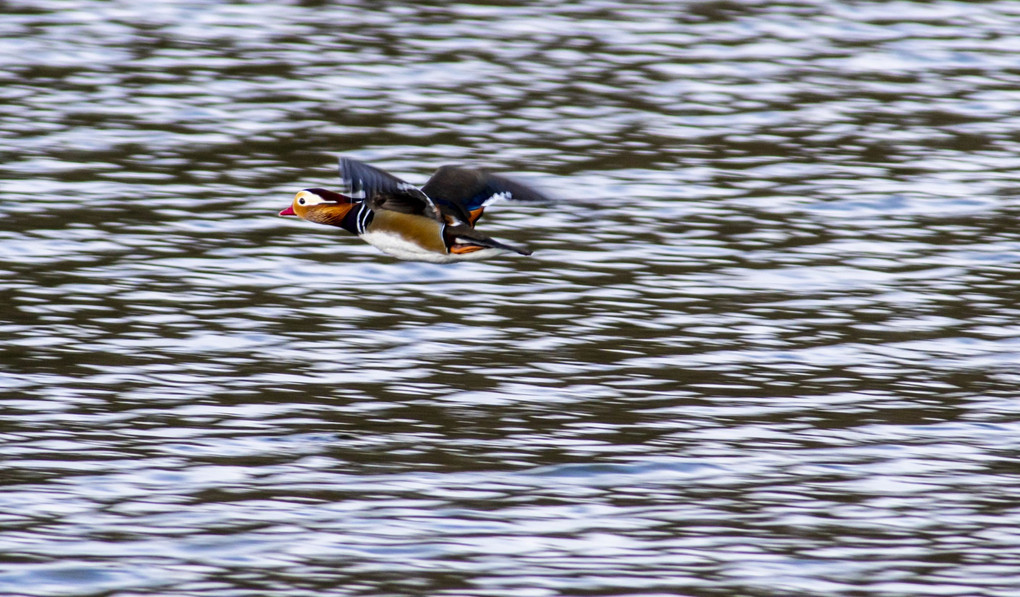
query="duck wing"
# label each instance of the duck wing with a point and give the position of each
(465, 192)
(383, 191)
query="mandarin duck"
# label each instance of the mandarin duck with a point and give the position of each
(434, 223)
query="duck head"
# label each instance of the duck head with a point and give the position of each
(320, 206)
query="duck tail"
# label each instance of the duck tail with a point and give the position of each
(462, 241)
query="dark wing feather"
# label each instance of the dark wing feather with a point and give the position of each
(464, 192)
(382, 190)
(464, 239)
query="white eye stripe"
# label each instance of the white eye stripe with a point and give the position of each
(305, 198)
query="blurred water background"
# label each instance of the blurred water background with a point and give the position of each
(768, 343)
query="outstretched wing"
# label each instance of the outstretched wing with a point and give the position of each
(464, 192)
(382, 190)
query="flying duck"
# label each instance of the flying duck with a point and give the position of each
(434, 223)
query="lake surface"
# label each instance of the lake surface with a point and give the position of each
(768, 342)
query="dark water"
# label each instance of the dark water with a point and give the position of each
(768, 344)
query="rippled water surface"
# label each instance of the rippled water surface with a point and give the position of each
(768, 342)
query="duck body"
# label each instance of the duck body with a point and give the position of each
(434, 223)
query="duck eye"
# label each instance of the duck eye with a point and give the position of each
(301, 201)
